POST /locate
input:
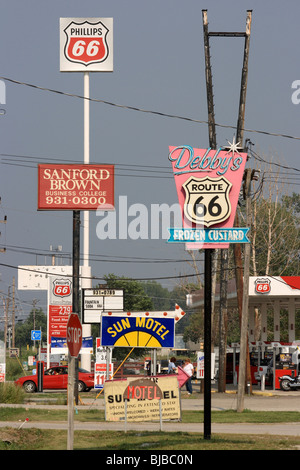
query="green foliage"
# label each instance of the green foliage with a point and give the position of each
(10, 393)
(13, 369)
(135, 298)
(35, 320)
(275, 236)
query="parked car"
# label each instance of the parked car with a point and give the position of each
(56, 378)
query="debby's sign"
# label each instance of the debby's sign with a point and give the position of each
(208, 183)
(86, 44)
(75, 187)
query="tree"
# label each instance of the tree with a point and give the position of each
(135, 298)
(274, 234)
(35, 320)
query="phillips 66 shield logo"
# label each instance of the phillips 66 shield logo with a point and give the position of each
(207, 200)
(86, 44)
(61, 287)
(262, 286)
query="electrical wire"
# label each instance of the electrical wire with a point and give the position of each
(134, 108)
(93, 257)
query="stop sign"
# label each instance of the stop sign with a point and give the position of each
(74, 334)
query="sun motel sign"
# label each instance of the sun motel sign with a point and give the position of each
(137, 331)
(74, 335)
(140, 329)
(86, 44)
(208, 184)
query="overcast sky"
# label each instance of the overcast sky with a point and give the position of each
(158, 66)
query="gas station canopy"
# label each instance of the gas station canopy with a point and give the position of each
(265, 292)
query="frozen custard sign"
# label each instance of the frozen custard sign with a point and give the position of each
(208, 183)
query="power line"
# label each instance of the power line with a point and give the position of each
(93, 257)
(125, 166)
(156, 113)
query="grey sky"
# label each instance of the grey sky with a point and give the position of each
(159, 66)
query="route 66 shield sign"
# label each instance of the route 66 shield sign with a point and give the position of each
(207, 200)
(86, 44)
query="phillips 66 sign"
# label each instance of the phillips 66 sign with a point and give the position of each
(86, 44)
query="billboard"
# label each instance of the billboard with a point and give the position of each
(208, 184)
(86, 44)
(75, 187)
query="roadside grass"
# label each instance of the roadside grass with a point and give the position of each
(117, 441)
(188, 416)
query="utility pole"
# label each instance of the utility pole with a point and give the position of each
(241, 289)
(6, 317)
(13, 314)
(245, 307)
(3, 250)
(208, 253)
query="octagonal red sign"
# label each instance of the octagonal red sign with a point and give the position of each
(74, 335)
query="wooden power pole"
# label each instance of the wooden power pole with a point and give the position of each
(237, 248)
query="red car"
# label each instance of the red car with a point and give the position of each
(57, 378)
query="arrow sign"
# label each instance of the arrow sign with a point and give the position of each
(177, 314)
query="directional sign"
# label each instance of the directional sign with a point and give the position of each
(74, 335)
(36, 335)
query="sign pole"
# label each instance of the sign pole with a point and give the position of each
(86, 273)
(207, 342)
(75, 295)
(71, 374)
(86, 91)
(73, 361)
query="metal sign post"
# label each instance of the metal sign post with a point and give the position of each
(86, 45)
(74, 341)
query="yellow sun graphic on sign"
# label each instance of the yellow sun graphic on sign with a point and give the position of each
(138, 339)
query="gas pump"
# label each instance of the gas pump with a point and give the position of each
(284, 363)
(284, 366)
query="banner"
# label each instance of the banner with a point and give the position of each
(59, 345)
